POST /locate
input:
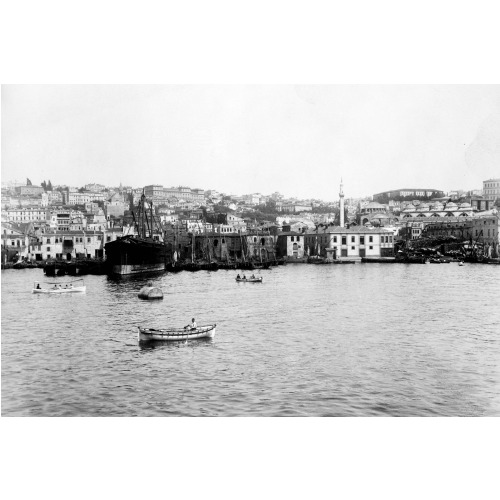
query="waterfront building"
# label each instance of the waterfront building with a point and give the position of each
(491, 189)
(68, 245)
(290, 244)
(14, 236)
(336, 242)
(481, 229)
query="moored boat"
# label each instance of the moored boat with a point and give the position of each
(58, 288)
(143, 252)
(147, 334)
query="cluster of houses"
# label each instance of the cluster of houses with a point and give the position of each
(64, 223)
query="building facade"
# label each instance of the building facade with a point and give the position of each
(414, 194)
(336, 242)
(491, 189)
(290, 244)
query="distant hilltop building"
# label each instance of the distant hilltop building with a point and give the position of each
(29, 190)
(158, 194)
(491, 189)
(407, 194)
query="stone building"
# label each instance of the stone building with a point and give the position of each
(290, 244)
(336, 242)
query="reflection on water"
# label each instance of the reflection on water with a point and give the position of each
(360, 340)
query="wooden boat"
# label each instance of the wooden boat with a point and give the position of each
(147, 334)
(249, 280)
(58, 288)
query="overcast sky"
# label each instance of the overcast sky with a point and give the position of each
(298, 140)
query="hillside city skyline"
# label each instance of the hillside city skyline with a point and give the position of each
(471, 190)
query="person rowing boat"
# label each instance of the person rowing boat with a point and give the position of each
(191, 326)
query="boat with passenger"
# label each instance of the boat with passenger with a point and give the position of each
(75, 286)
(252, 279)
(147, 334)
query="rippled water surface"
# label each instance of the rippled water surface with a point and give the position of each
(352, 340)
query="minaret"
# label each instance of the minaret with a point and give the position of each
(341, 194)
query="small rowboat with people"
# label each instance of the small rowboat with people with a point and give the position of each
(146, 334)
(58, 288)
(252, 279)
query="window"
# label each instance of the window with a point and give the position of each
(48, 249)
(292, 239)
(298, 238)
(352, 248)
(370, 240)
(361, 240)
(353, 239)
(344, 240)
(108, 238)
(371, 248)
(88, 240)
(335, 239)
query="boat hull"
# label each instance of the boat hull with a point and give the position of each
(249, 280)
(132, 255)
(148, 334)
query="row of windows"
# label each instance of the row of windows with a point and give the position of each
(76, 239)
(383, 239)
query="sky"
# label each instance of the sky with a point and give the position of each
(299, 140)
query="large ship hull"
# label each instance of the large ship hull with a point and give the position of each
(132, 255)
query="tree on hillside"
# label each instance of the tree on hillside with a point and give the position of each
(28, 182)
(44, 185)
(49, 186)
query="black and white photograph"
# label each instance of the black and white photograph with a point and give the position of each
(286, 250)
(219, 256)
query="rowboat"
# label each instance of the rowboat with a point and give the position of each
(58, 288)
(249, 280)
(146, 334)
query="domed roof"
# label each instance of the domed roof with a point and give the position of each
(451, 206)
(465, 205)
(437, 206)
(409, 207)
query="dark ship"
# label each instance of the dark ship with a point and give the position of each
(143, 252)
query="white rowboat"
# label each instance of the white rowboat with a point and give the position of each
(146, 334)
(58, 288)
